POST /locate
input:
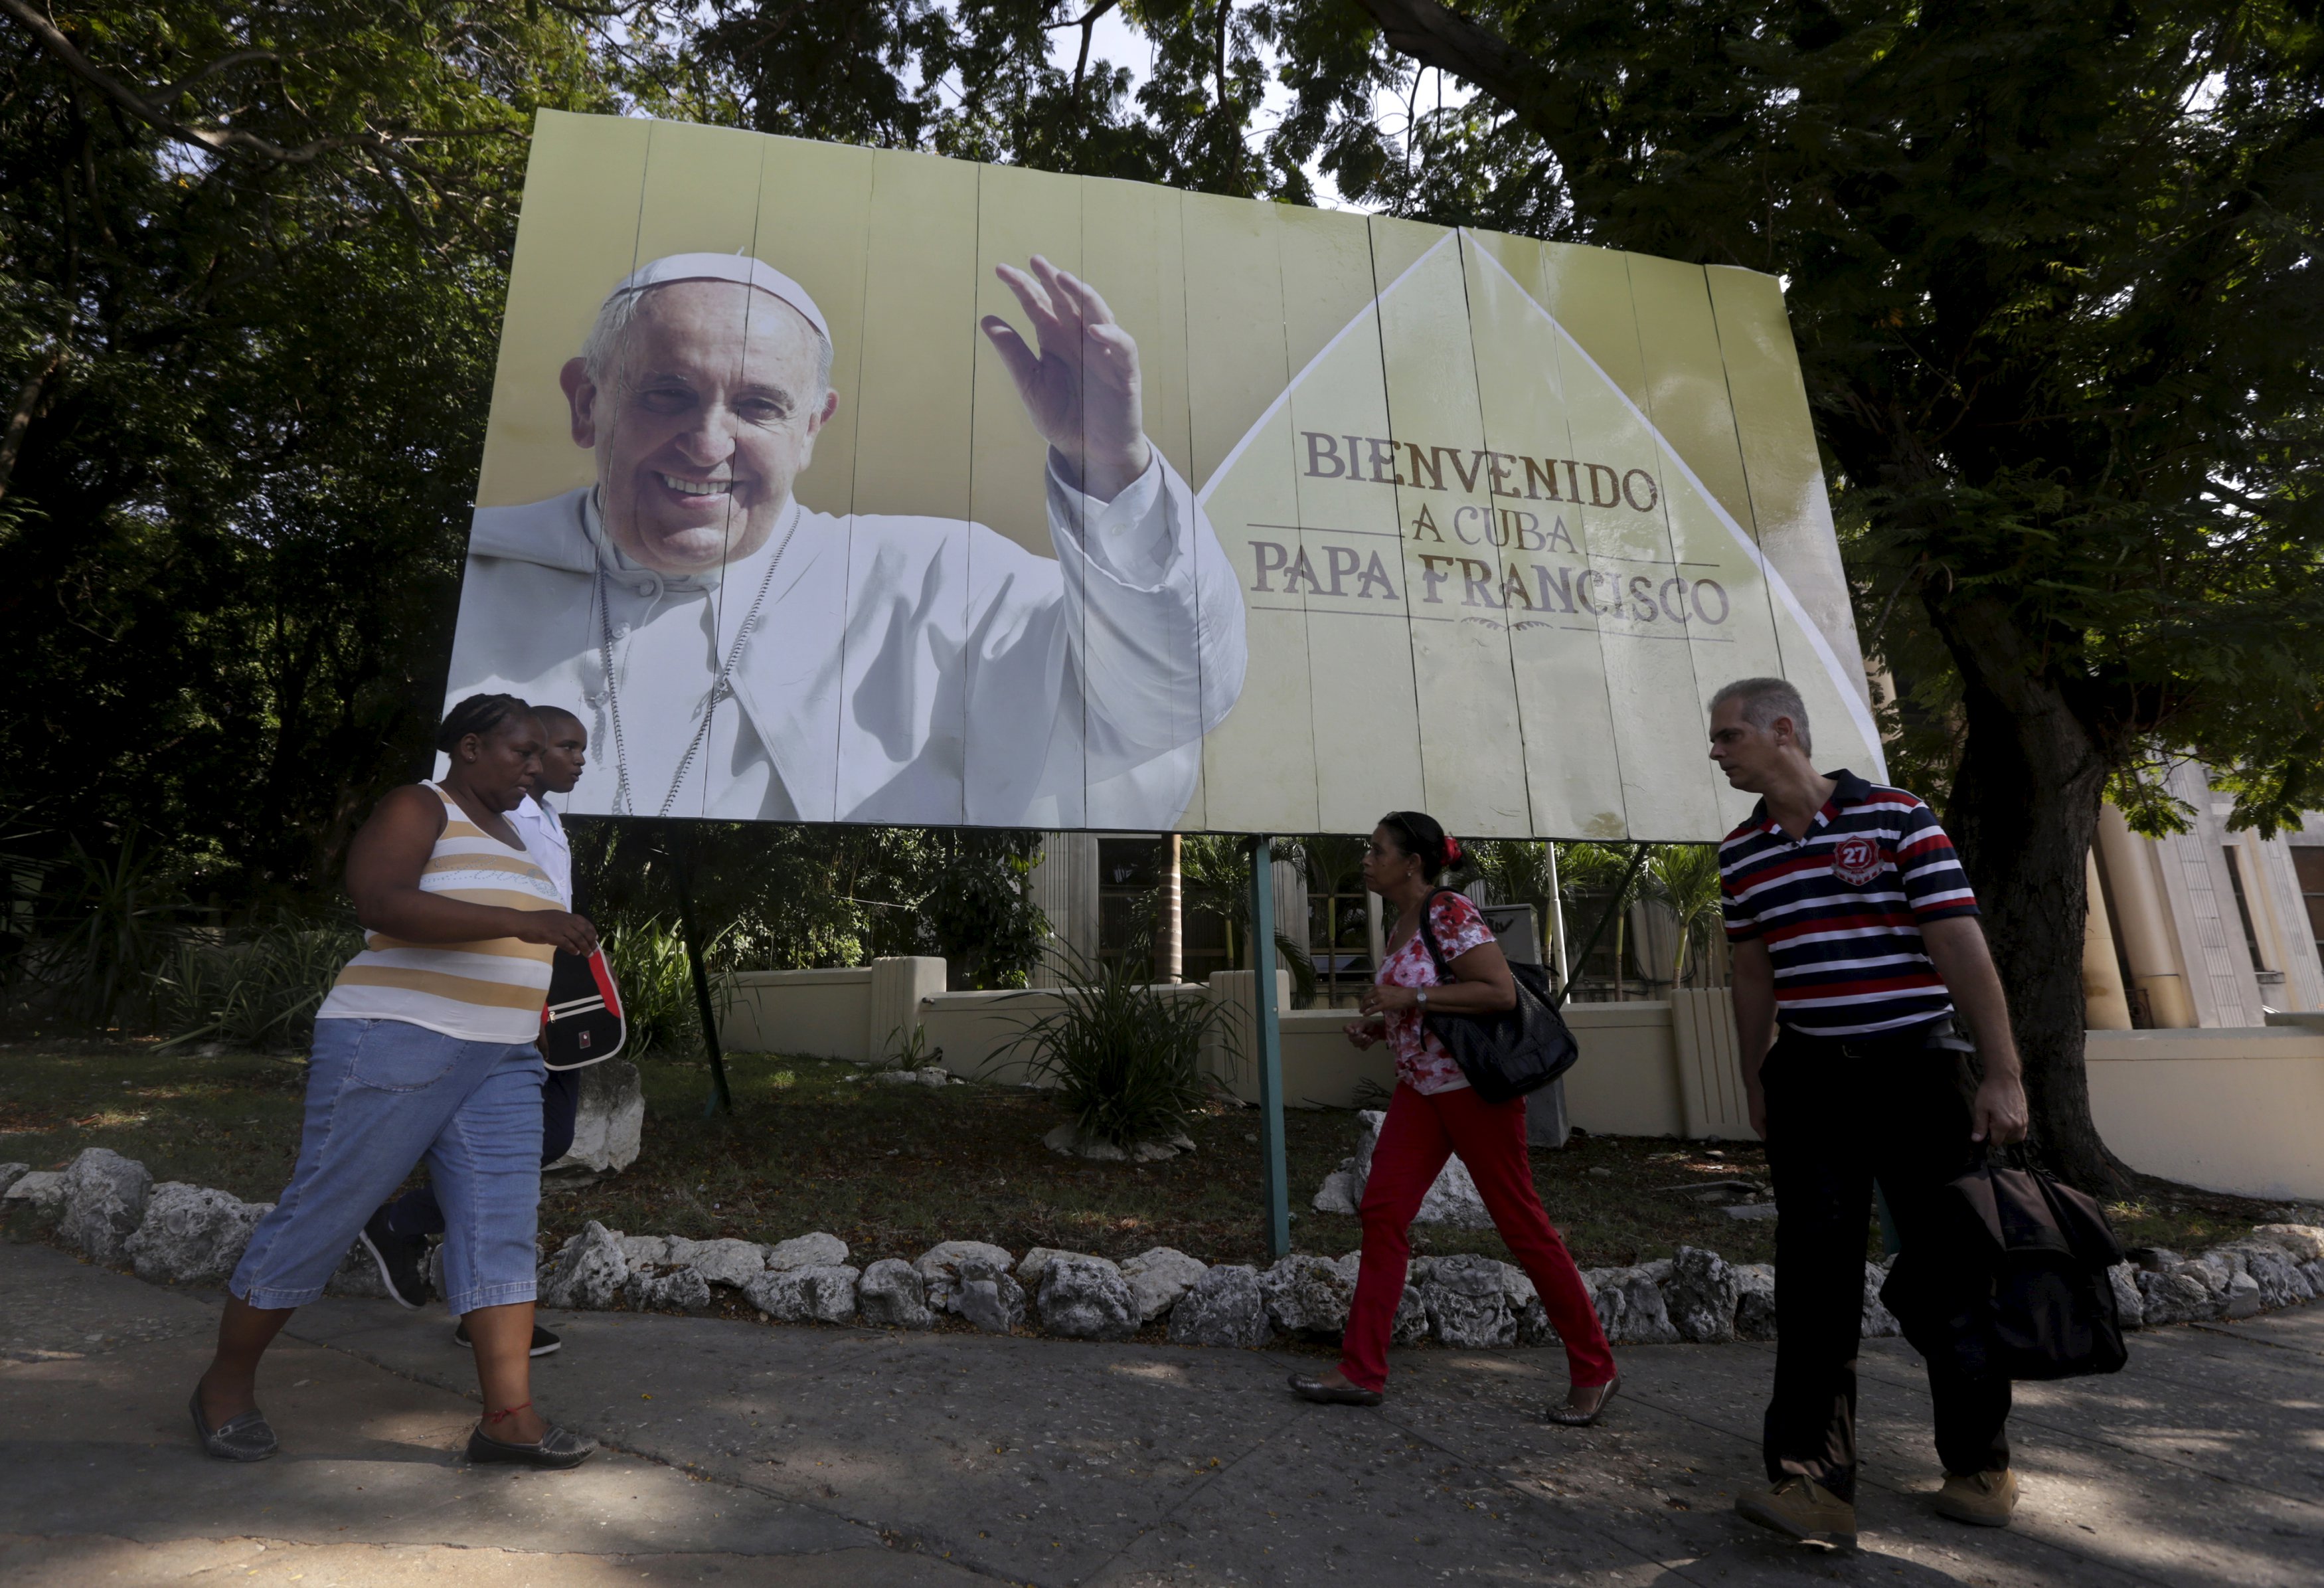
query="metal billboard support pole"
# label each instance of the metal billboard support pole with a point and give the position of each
(1269, 1043)
(720, 1097)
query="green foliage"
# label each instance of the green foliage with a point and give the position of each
(1685, 877)
(647, 959)
(255, 991)
(251, 268)
(94, 928)
(792, 897)
(979, 912)
(1125, 1057)
(2050, 266)
(1215, 879)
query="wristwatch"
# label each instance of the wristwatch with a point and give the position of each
(1420, 1000)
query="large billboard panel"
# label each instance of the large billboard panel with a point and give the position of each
(824, 484)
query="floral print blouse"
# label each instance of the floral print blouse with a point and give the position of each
(1421, 1061)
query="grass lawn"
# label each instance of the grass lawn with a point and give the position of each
(894, 1170)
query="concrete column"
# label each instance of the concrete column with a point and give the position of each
(898, 986)
(1051, 882)
(1290, 881)
(1169, 937)
(1375, 929)
(2106, 1007)
(2147, 940)
(1230, 1047)
(1065, 886)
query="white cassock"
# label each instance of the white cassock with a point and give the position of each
(920, 671)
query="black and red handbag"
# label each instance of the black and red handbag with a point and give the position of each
(1506, 1055)
(582, 1023)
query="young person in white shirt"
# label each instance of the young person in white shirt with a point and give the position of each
(396, 1236)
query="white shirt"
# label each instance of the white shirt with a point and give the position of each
(905, 669)
(545, 842)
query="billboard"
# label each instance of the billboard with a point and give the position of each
(828, 483)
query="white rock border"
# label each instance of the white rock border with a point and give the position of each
(108, 1207)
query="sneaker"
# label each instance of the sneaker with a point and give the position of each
(1982, 1500)
(402, 1261)
(1802, 1508)
(543, 1342)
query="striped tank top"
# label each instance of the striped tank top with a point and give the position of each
(491, 991)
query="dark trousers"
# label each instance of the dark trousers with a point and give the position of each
(416, 1212)
(1842, 1115)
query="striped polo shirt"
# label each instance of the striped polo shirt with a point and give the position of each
(487, 991)
(1842, 908)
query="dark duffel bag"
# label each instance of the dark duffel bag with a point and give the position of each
(1514, 1052)
(2018, 1285)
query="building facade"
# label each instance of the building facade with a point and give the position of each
(2206, 928)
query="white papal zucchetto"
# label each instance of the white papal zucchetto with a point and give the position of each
(722, 267)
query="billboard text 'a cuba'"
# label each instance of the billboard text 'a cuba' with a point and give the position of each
(827, 483)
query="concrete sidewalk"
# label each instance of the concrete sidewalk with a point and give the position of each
(811, 1457)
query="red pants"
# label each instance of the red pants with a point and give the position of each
(1420, 1133)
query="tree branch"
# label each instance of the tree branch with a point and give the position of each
(215, 140)
(19, 417)
(1436, 36)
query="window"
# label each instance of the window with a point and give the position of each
(2243, 906)
(2308, 860)
(1128, 873)
(1339, 941)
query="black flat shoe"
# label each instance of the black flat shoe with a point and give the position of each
(1324, 1393)
(248, 1437)
(1565, 1417)
(559, 1449)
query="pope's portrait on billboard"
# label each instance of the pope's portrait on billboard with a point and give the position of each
(738, 655)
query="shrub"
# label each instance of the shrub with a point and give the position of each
(1125, 1057)
(257, 989)
(648, 964)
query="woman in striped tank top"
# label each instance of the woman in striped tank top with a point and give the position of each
(424, 1050)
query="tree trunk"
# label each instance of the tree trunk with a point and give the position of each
(2023, 813)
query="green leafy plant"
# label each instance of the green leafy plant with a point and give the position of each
(908, 1052)
(648, 964)
(1595, 872)
(1685, 877)
(1124, 1056)
(257, 990)
(100, 926)
(1214, 878)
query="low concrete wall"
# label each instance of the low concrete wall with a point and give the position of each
(1626, 1080)
(2235, 1109)
(2238, 1110)
(823, 1014)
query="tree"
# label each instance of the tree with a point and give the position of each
(250, 267)
(2050, 265)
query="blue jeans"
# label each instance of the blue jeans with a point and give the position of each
(381, 1095)
(418, 1214)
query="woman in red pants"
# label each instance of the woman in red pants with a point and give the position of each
(1434, 1114)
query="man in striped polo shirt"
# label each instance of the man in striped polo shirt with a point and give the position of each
(1855, 937)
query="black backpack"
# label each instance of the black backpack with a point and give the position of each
(1505, 1055)
(2046, 1307)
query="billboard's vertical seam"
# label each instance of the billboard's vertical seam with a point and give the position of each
(1850, 694)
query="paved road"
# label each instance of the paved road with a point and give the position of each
(809, 1456)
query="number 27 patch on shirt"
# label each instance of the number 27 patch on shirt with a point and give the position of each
(1856, 859)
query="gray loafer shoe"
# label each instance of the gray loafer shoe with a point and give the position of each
(559, 1447)
(248, 1437)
